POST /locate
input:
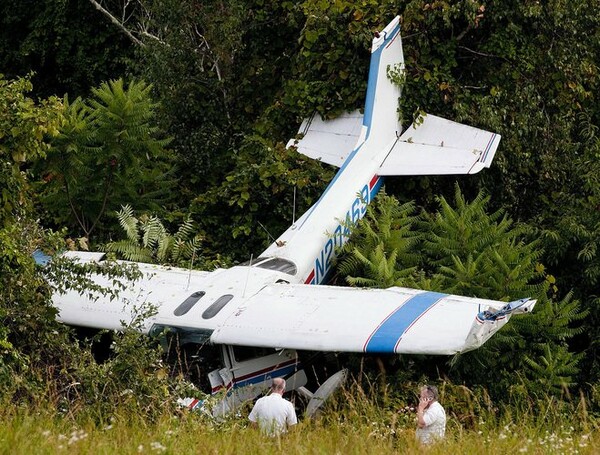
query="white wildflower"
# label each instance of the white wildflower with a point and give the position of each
(77, 435)
(157, 446)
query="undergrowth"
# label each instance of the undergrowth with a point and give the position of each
(354, 421)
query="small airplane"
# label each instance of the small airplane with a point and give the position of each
(253, 322)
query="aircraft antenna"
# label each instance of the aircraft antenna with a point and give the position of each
(294, 207)
(191, 267)
(266, 230)
(247, 276)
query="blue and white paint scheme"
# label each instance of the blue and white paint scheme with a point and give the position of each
(273, 303)
(366, 147)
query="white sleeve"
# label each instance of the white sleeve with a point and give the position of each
(432, 415)
(252, 416)
(291, 417)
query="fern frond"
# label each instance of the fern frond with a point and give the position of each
(153, 231)
(128, 222)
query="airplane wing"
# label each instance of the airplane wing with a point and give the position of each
(245, 306)
(330, 141)
(394, 320)
(437, 146)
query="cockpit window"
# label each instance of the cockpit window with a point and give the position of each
(254, 261)
(212, 310)
(188, 303)
(279, 264)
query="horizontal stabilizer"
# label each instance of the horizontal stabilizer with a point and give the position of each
(330, 141)
(437, 146)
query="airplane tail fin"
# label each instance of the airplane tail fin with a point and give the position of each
(431, 146)
(331, 141)
(380, 121)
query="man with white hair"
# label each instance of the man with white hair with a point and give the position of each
(431, 417)
(273, 414)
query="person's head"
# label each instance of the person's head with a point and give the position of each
(278, 386)
(429, 393)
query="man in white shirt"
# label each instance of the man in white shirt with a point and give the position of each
(431, 417)
(272, 413)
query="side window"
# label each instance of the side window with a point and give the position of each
(242, 353)
(212, 310)
(188, 303)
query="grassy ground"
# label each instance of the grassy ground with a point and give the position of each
(348, 432)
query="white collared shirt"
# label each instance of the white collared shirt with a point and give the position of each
(435, 424)
(273, 414)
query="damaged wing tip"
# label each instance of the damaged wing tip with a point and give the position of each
(520, 306)
(528, 305)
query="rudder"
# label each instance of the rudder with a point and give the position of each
(381, 105)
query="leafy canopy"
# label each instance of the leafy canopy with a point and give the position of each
(109, 152)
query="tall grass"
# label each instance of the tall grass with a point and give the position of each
(353, 423)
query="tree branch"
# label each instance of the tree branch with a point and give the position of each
(80, 221)
(105, 198)
(115, 21)
(480, 53)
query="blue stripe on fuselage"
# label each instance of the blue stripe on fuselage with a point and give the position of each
(375, 188)
(387, 335)
(268, 375)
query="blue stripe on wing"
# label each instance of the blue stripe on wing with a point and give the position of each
(390, 331)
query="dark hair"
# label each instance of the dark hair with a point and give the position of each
(432, 391)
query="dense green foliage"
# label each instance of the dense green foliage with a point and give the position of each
(40, 361)
(259, 196)
(63, 43)
(107, 154)
(228, 82)
(23, 125)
